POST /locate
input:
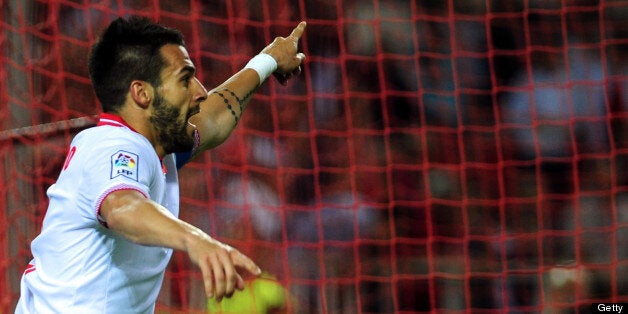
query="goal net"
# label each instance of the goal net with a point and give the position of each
(464, 156)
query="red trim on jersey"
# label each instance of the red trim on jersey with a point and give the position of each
(30, 268)
(113, 120)
(122, 187)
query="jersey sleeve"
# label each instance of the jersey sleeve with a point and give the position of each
(109, 165)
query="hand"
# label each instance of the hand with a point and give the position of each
(218, 263)
(284, 51)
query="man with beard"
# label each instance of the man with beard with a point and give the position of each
(112, 224)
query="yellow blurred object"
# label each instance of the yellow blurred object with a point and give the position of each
(261, 295)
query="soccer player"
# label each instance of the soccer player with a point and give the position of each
(112, 224)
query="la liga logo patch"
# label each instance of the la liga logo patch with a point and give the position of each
(124, 164)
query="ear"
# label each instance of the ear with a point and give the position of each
(142, 93)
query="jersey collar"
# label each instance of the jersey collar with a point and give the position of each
(116, 120)
(113, 120)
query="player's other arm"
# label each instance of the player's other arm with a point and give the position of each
(142, 221)
(224, 105)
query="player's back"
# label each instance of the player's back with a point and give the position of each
(79, 265)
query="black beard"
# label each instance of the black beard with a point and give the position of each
(171, 133)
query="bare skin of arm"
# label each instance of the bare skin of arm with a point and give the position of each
(145, 222)
(216, 121)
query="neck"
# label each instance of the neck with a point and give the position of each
(135, 125)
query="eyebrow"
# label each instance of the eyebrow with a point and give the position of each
(187, 69)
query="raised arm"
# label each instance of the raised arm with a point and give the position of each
(221, 111)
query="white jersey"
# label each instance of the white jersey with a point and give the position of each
(79, 265)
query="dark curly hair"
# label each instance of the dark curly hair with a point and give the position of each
(128, 50)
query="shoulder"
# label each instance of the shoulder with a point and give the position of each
(116, 145)
(106, 133)
(107, 137)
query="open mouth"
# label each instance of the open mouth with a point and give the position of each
(191, 114)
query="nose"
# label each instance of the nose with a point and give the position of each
(200, 93)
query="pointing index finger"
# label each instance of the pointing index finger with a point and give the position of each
(297, 32)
